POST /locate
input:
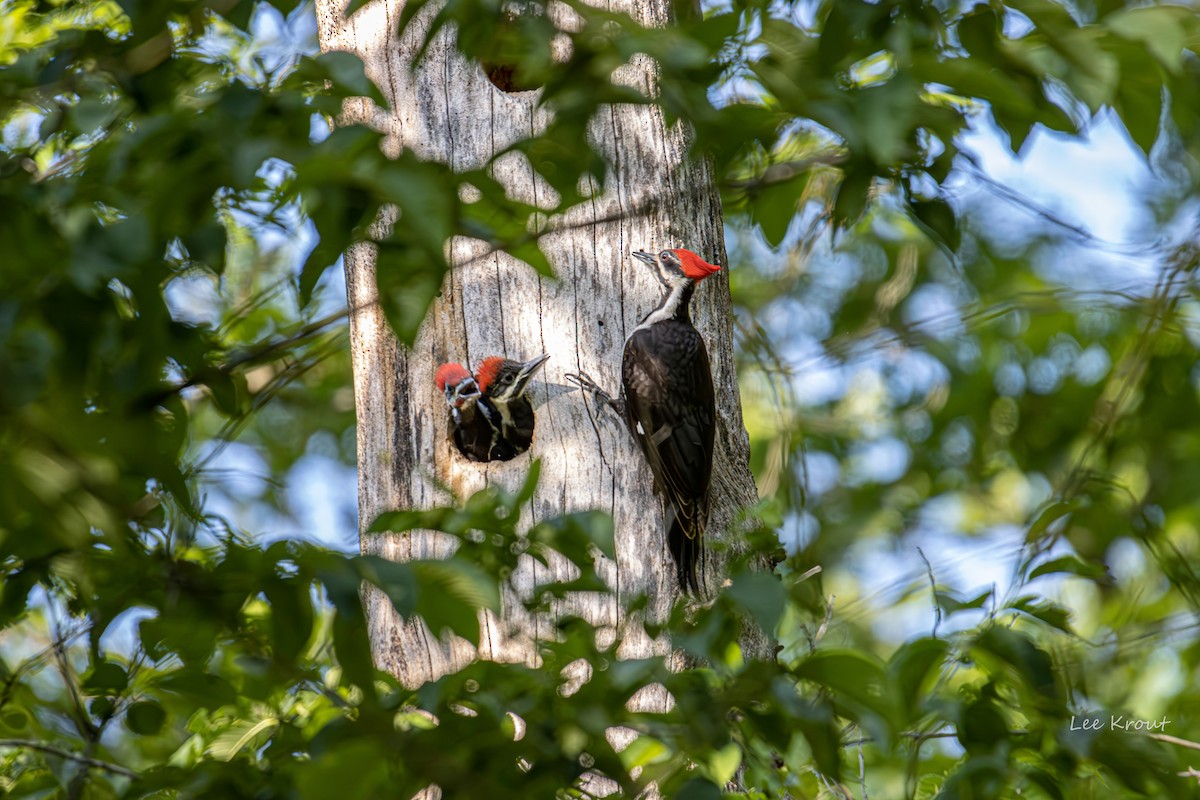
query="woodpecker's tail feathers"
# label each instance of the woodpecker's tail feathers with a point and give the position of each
(685, 538)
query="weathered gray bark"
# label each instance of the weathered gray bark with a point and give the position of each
(491, 304)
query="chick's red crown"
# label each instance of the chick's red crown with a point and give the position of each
(450, 375)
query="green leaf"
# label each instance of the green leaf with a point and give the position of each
(1048, 517)
(979, 31)
(980, 777)
(815, 721)
(849, 673)
(529, 486)
(1030, 667)
(723, 763)
(239, 13)
(1163, 30)
(352, 647)
(1048, 612)
(643, 750)
(14, 719)
(852, 196)
(106, 678)
(950, 601)
(228, 390)
(1046, 14)
(1045, 780)
(530, 254)
(354, 768)
(774, 207)
(201, 688)
(574, 536)
(291, 617)
(450, 595)
(698, 789)
(409, 277)
(90, 114)
(242, 734)
(401, 521)
(1139, 763)
(763, 595)
(937, 218)
(347, 72)
(102, 707)
(908, 669)
(981, 727)
(145, 718)
(1141, 111)
(395, 579)
(1074, 565)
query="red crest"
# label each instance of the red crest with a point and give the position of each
(450, 375)
(694, 266)
(487, 372)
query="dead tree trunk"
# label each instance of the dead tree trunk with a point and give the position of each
(449, 111)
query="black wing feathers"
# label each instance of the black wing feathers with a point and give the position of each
(669, 404)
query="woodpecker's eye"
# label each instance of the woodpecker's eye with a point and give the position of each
(665, 255)
(506, 379)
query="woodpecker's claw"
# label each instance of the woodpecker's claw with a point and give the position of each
(585, 382)
(599, 396)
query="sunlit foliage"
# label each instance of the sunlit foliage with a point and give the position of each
(972, 418)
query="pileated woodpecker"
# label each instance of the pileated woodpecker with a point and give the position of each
(668, 403)
(504, 404)
(472, 434)
(491, 419)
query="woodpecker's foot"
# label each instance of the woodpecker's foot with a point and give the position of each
(585, 382)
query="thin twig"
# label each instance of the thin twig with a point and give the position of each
(816, 637)
(31, 744)
(937, 607)
(37, 658)
(921, 737)
(246, 357)
(862, 773)
(808, 573)
(1175, 740)
(230, 430)
(83, 722)
(1030, 205)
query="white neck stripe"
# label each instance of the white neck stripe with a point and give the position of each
(668, 309)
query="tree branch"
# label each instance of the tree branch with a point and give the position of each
(1175, 740)
(922, 737)
(1028, 204)
(262, 352)
(937, 607)
(32, 744)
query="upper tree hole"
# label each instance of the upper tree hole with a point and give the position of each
(518, 49)
(506, 78)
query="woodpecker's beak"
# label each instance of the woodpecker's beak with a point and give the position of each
(462, 392)
(528, 370)
(646, 258)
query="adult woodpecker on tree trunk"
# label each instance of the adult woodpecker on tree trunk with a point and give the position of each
(491, 418)
(667, 400)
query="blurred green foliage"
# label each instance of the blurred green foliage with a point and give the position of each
(173, 200)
